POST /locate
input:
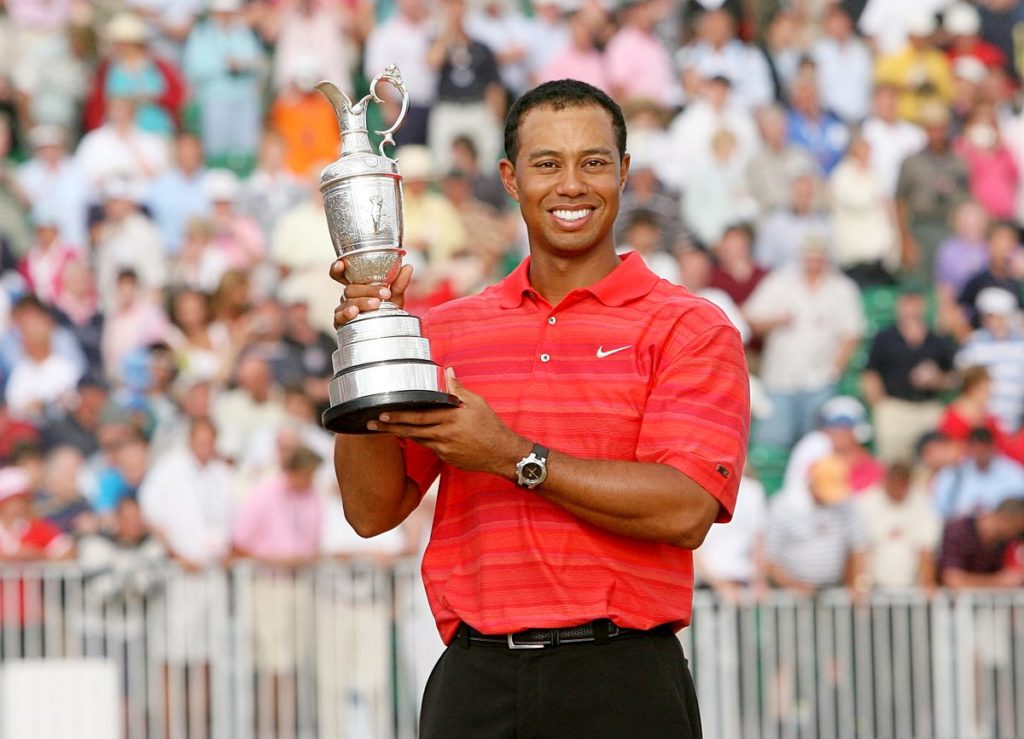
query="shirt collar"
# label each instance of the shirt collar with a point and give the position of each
(629, 281)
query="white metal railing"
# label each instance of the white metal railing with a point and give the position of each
(343, 649)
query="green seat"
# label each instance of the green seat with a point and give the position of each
(769, 462)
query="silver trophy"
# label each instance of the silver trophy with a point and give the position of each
(382, 362)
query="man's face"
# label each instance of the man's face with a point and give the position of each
(203, 442)
(981, 452)
(567, 179)
(299, 481)
(911, 307)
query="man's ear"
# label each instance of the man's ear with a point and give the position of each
(507, 171)
(624, 171)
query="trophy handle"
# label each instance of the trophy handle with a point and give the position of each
(393, 76)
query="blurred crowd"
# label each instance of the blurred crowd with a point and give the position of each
(843, 179)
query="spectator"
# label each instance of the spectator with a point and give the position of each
(47, 259)
(119, 151)
(979, 483)
(52, 182)
(271, 190)
(225, 65)
(199, 265)
(991, 169)
(254, 403)
(486, 186)
(844, 66)
(202, 347)
(1004, 267)
(470, 99)
(185, 498)
(931, 184)
(126, 561)
(126, 239)
(133, 321)
(78, 312)
(735, 271)
(14, 434)
(314, 39)
(695, 276)
(776, 163)
(645, 193)
(811, 319)
(891, 138)
(23, 536)
(730, 559)
(716, 52)
(637, 63)
(494, 233)
(133, 71)
(813, 128)
(919, 70)
(782, 233)
(970, 409)
(179, 194)
(998, 345)
(784, 50)
(903, 532)
(306, 122)
(717, 195)
(14, 226)
(550, 34)
(643, 234)
(433, 231)
(862, 219)
(962, 22)
(499, 25)
(974, 549)
(582, 58)
(405, 39)
(79, 427)
(61, 502)
(907, 370)
(129, 463)
(314, 346)
(963, 255)
(235, 236)
(819, 541)
(41, 379)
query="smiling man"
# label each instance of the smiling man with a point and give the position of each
(602, 431)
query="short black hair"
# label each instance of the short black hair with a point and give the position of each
(981, 435)
(561, 94)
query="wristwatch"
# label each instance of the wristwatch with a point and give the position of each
(532, 469)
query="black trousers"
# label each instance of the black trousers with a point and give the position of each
(624, 687)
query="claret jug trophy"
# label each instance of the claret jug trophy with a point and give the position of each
(382, 362)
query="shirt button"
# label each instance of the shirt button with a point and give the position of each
(545, 357)
(552, 320)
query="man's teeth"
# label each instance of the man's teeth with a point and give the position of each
(572, 215)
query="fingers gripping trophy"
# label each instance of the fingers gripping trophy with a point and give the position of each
(382, 362)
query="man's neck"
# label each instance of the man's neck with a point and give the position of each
(555, 277)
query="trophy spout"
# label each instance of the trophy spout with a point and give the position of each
(355, 137)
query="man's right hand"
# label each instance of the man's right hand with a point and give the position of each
(363, 298)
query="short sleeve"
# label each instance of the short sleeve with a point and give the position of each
(877, 355)
(697, 414)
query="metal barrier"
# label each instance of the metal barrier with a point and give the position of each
(343, 650)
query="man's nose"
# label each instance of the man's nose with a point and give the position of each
(571, 182)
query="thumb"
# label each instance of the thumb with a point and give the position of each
(455, 387)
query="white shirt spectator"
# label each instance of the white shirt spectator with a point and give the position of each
(33, 383)
(190, 505)
(862, 222)
(728, 551)
(899, 532)
(62, 192)
(891, 143)
(744, 66)
(399, 40)
(133, 243)
(1004, 359)
(689, 140)
(782, 233)
(507, 32)
(240, 419)
(845, 72)
(104, 154)
(886, 21)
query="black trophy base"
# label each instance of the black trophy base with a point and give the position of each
(352, 417)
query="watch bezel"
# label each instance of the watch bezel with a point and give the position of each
(532, 470)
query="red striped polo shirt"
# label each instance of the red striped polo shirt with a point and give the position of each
(631, 368)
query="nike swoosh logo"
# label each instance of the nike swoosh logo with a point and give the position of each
(601, 353)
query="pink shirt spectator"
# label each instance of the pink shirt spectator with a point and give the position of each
(49, 14)
(573, 64)
(639, 65)
(993, 177)
(276, 523)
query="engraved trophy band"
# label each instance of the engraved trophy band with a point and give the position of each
(382, 362)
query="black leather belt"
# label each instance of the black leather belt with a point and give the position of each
(595, 631)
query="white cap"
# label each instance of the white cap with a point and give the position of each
(221, 185)
(961, 19)
(921, 25)
(122, 188)
(996, 301)
(970, 68)
(13, 481)
(847, 411)
(127, 28)
(415, 162)
(225, 6)
(46, 134)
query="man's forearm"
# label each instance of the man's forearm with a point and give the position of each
(375, 492)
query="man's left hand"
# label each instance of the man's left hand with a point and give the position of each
(470, 437)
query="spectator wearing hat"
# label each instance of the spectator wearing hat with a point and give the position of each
(931, 184)
(982, 551)
(44, 264)
(119, 150)
(132, 71)
(127, 239)
(998, 345)
(224, 63)
(179, 194)
(919, 70)
(717, 52)
(782, 233)
(638, 64)
(53, 183)
(470, 99)
(908, 368)
(811, 318)
(844, 67)
(433, 230)
(1004, 268)
(817, 541)
(14, 434)
(41, 377)
(581, 58)
(405, 39)
(23, 536)
(776, 163)
(962, 23)
(980, 482)
(903, 532)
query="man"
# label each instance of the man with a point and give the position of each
(980, 483)
(919, 70)
(637, 62)
(976, 551)
(891, 138)
(23, 536)
(844, 66)
(777, 163)
(588, 544)
(179, 194)
(782, 232)
(908, 368)
(52, 180)
(1001, 270)
(812, 127)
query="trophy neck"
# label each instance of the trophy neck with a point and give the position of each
(355, 137)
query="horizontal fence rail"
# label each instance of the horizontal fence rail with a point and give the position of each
(343, 650)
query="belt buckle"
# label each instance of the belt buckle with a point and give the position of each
(513, 645)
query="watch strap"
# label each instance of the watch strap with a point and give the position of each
(540, 452)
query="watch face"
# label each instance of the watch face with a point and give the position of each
(532, 472)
